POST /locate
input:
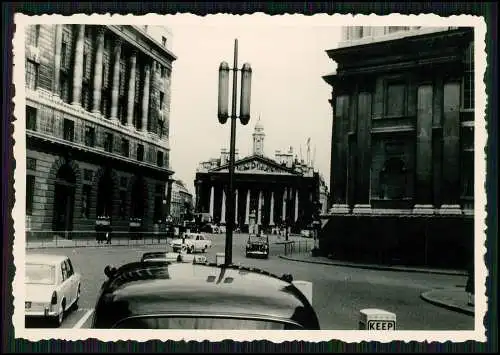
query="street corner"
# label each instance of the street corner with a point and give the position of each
(454, 299)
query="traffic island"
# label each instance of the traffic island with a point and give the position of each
(454, 299)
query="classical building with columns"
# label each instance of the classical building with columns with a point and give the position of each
(97, 126)
(280, 191)
(402, 154)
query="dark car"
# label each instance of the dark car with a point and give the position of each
(173, 295)
(257, 245)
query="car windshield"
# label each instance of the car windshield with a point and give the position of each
(194, 322)
(40, 274)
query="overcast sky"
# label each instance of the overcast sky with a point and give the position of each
(288, 59)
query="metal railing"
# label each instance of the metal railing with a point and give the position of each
(56, 239)
(297, 246)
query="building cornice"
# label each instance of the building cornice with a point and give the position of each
(438, 39)
(68, 146)
(145, 43)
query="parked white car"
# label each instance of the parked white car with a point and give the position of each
(52, 286)
(193, 242)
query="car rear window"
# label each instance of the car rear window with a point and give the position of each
(40, 274)
(193, 322)
(258, 239)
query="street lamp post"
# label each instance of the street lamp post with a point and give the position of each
(223, 115)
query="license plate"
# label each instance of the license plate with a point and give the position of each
(27, 305)
(381, 325)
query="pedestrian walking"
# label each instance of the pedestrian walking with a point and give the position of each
(108, 238)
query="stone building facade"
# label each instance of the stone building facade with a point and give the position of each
(180, 202)
(97, 127)
(402, 155)
(281, 192)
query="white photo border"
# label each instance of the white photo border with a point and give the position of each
(18, 212)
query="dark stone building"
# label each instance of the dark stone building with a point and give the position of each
(281, 191)
(97, 127)
(402, 155)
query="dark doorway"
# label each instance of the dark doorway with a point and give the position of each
(105, 195)
(139, 199)
(393, 179)
(64, 199)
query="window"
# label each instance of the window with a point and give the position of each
(108, 142)
(125, 147)
(123, 181)
(164, 41)
(69, 130)
(203, 322)
(30, 192)
(159, 158)
(393, 179)
(31, 118)
(31, 75)
(86, 189)
(162, 98)
(64, 271)
(87, 174)
(395, 99)
(33, 35)
(468, 79)
(64, 55)
(89, 136)
(64, 87)
(86, 96)
(140, 152)
(69, 267)
(31, 164)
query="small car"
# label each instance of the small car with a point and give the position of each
(257, 245)
(306, 233)
(191, 242)
(175, 295)
(52, 287)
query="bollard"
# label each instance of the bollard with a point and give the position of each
(376, 319)
(220, 258)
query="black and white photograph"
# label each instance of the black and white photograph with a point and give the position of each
(188, 177)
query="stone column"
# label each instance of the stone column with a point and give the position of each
(424, 149)
(116, 79)
(247, 208)
(145, 98)
(198, 196)
(98, 71)
(211, 211)
(236, 206)
(168, 198)
(271, 213)
(259, 209)
(296, 205)
(283, 215)
(131, 89)
(451, 147)
(223, 207)
(78, 66)
(57, 60)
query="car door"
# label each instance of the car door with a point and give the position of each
(72, 286)
(64, 286)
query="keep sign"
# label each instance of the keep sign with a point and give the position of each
(381, 325)
(376, 320)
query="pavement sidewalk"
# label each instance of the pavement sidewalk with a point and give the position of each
(454, 299)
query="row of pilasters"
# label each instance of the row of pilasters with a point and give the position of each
(272, 207)
(150, 73)
(436, 142)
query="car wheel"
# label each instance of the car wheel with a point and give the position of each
(60, 317)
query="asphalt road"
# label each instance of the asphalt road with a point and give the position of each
(339, 293)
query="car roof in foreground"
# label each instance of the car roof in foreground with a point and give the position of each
(49, 259)
(159, 288)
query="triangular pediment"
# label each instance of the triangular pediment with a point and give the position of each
(256, 164)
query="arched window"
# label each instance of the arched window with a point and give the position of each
(393, 179)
